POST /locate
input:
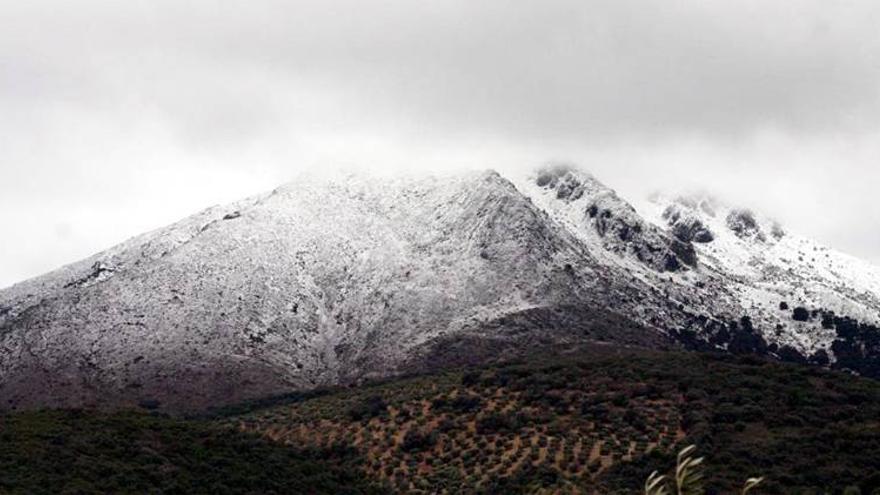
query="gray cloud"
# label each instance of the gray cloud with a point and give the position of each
(117, 117)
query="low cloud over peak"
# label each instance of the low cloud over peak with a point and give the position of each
(118, 117)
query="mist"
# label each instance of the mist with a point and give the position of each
(120, 117)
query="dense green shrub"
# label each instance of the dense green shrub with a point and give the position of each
(800, 313)
(416, 441)
(370, 407)
(805, 428)
(91, 452)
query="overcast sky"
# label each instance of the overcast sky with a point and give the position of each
(120, 117)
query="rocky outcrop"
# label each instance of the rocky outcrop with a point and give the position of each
(621, 229)
(685, 226)
(744, 225)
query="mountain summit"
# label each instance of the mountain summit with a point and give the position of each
(332, 281)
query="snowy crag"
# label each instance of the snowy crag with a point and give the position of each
(333, 281)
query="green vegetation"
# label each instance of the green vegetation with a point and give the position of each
(77, 452)
(583, 424)
(576, 424)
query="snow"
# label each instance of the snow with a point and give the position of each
(765, 270)
(335, 279)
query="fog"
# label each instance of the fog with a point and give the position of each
(121, 117)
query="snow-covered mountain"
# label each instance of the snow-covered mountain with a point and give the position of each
(333, 280)
(765, 268)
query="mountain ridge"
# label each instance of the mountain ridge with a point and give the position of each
(327, 281)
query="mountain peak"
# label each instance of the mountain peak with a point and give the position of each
(336, 278)
(600, 216)
(700, 217)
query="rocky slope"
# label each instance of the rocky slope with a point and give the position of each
(771, 272)
(327, 281)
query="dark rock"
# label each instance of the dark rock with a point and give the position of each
(777, 232)
(685, 227)
(743, 224)
(545, 179)
(97, 272)
(569, 188)
(704, 236)
(684, 251)
(672, 264)
(592, 211)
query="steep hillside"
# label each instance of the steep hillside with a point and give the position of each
(337, 280)
(590, 423)
(319, 282)
(738, 281)
(771, 271)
